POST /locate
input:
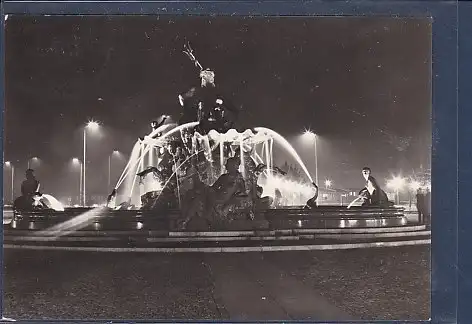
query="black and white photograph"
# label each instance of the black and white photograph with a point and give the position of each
(242, 168)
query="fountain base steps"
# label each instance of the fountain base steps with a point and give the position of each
(219, 241)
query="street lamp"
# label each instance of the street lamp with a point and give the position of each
(92, 126)
(396, 183)
(9, 164)
(77, 162)
(328, 183)
(115, 152)
(33, 159)
(310, 135)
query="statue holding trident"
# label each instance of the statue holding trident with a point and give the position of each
(204, 104)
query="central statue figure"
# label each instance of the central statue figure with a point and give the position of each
(205, 104)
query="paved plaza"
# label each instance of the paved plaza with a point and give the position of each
(387, 283)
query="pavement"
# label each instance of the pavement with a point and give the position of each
(250, 288)
(388, 283)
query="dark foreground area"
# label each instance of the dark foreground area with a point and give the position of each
(386, 283)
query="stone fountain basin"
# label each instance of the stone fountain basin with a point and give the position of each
(281, 218)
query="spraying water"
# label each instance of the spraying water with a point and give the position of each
(53, 203)
(354, 202)
(183, 163)
(293, 192)
(286, 145)
(74, 224)
(48, 201)
(161, 139)
(133, 160)
(129, 180)
(137, 157)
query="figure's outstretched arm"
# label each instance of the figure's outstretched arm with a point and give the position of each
(189, 51)
(164, 118)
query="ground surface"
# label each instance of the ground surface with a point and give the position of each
(387, 283)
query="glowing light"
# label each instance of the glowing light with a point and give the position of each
(414, 185)
(328, 183)
(93, 125)
(293, 193)
(308, 134)
(8, 163)
(352, 222)
(75, 161)
(396, 183)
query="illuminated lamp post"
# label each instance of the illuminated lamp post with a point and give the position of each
(92, 126)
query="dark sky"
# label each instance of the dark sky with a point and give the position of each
(362, 84)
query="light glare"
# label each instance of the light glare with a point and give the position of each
(396, 183)
(309, 134)
(414, 185)
(92, 125)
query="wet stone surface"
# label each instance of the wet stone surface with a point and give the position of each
(370, 284)
(59, 285)
(388, 283)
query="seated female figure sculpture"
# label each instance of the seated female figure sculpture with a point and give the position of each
(228, 195)
(225, 200)
(29, 190)
(194, 199)
(373, 194)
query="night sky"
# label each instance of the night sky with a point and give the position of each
(362, 84)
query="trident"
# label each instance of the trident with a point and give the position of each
(189, 51)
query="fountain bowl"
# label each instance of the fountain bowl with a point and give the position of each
(294, 217)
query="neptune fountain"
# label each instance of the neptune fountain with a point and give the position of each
(203, 172)
(231, 173)
(164, 171)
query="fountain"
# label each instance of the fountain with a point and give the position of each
(256, 147)
(164, 171)
(177, 178)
